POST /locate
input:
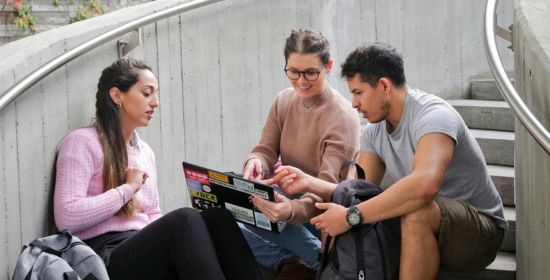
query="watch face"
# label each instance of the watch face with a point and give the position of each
(354, 218)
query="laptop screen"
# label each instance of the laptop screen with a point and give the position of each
(210, 188)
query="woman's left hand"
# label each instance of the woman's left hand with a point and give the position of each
(280, 210)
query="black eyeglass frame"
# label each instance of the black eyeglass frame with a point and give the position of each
(303, 74)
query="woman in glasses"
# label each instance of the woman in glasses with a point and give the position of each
(312, 127)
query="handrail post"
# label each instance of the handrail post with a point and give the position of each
(126, 46)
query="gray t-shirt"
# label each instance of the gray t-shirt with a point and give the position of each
(466, 178)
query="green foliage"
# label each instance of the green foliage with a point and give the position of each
(24, 19)
(91, 8)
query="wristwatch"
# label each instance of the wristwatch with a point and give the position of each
(354, 217)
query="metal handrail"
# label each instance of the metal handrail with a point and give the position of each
(522, 112)
(44, 70)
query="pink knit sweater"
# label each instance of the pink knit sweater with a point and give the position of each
(80, 203)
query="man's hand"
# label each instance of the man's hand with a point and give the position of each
(253, 169)
(280, 210)
(333, 220)
(291, 179)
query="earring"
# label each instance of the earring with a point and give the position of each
(118, 105)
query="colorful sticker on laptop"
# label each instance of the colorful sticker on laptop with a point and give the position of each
(203, 195)
(194, 185)
(218, 176)
(243, 186)
(240, 213)
(248, 187)
(262, 194)
(262, 221)
(203, 204)
(197, 176)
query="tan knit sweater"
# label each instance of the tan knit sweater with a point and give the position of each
(317, 137)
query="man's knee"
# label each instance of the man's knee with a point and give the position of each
(426, 217)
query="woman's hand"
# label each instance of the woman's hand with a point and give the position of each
(253, 169)
(291, 179)
(280, 210)
(136, 177)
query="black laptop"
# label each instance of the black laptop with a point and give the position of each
(210, 188)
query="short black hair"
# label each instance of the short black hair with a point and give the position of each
(307, 41)
(374, 61)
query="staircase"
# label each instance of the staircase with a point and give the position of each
(491, 121)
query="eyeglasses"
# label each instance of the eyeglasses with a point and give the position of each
(309, 75)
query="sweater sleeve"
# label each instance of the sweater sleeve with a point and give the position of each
(267, 150)
(304, 208)
(341, 144)
(73, 208)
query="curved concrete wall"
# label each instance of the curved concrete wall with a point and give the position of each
(219, 69)
(532, 61)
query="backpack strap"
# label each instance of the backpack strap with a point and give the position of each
(324, 258)
(359, 257)
(360, 171)
(70, 275)
(90, 277)
(345, 167)
(46, 246)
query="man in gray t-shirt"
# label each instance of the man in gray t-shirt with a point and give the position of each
(451, 214)
(466, 177)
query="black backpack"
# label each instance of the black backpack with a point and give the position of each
(371, 251)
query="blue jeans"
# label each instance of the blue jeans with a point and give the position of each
(271, 248)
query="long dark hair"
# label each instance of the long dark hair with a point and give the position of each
(122, 74)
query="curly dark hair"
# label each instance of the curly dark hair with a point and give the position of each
(374, 61)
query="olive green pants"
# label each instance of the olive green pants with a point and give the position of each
(468, 240)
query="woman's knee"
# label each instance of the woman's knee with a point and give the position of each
(181, 218)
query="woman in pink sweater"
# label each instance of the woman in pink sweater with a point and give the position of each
(106, 194)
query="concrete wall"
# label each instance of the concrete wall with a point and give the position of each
(219, 69)
(532, 60)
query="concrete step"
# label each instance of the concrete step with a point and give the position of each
(497, 146)
(503, 178)
(509, 241)
(482, 114)
(502, 268)
(485, 89)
